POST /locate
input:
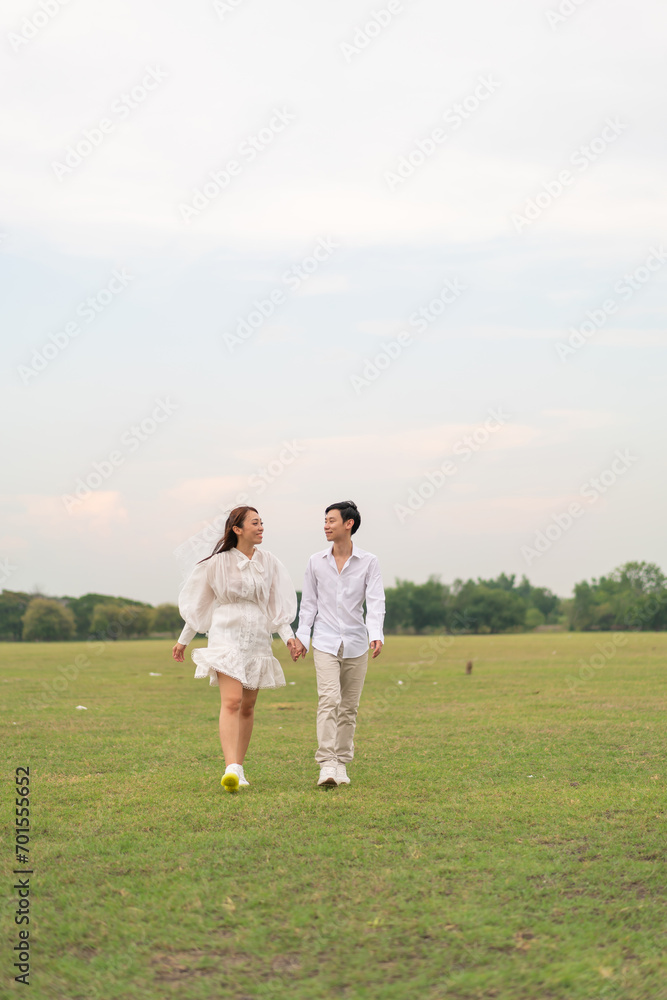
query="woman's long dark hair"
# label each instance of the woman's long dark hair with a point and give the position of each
(230, 539)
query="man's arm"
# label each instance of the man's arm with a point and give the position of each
(374, 607)
(308, 607)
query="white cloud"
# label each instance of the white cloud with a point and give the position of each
(412, 449)
(325, 175)
(208, 490)
(324, 284)
(40, 514)
(620, 337)
(279, 333)
(579, 420)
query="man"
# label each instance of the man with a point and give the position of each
(338, 580)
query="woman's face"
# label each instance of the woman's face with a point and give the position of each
(252, 530)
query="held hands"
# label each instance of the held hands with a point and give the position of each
(296, 648)
(177, 651)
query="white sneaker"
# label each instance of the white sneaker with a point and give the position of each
(230, 779)
(328, 774)
(242, 778)
(341, 775)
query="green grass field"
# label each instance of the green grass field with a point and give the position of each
(503, 835)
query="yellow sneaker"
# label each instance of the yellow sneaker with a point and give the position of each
(230, 781)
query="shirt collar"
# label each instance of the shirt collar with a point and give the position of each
(356, 552)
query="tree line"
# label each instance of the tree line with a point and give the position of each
(632, 597)
(37, 618)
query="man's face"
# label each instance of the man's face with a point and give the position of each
(335, 528)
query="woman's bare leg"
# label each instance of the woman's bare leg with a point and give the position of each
(231, 697)
(246, 719)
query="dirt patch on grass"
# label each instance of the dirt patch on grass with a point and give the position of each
(286, 963)
(572, 892)
(85, 952)
(67, 779)
(172, 967)
(638, 888)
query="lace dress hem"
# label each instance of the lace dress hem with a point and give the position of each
(253, 673)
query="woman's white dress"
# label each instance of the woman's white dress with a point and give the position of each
(240, 603)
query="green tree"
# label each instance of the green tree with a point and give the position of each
(502, 582)
(116, 620)
(582, 611)
(295, 623)
(489, 609)
(167, 618)
(648, 613)
(534, 618)
(640, 577)
(84, 607)
(13, 605)
(416, 607)
(632, 596)
(141, 620)
(399, 602)
(48, 621)
(546, 602)
(429, 605)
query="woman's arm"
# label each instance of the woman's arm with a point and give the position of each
(184, 638)
(196, 602)
(281, 605)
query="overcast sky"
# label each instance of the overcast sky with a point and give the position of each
(407, 253)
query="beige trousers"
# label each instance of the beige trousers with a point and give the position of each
(340, 681)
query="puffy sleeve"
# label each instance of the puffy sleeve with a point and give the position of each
(196, 602)
(281, 607)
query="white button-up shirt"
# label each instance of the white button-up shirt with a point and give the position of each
(332, 603)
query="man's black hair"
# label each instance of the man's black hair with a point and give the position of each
(348, 512)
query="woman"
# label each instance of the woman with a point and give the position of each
(239, 596)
